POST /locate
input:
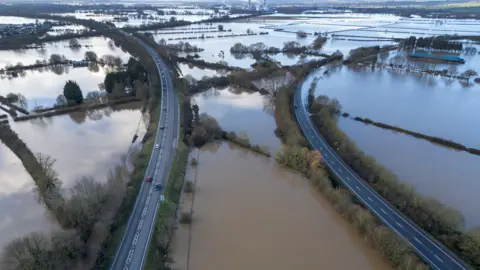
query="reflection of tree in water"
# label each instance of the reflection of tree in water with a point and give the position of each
(212, 147)
(58, 69)
(212, 92)
(41, 50)
(108, 111)
(95, 114)
(431, 80)
(111, 45)
(239, 56)
(42, 122)
(146, 118)
(93, 67)
(269, 104)
(290, 55)
(465, 84)
(78, 117)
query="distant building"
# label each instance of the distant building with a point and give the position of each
(438, 57)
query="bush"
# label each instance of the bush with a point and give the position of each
(194, 162)
(189, 187)
(244, 141)
(186, 218)
(72, 91)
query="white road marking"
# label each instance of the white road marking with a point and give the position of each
(140, 225)
(348, 178)
(399, 225)
(416, 239)
(357, 187)
(383, 210)
(438, 258)
(144, 211)
(135, 239)
(340, 170)
(370, 199)
(130, 255)
(148, 200)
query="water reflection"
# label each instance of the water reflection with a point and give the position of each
(84, 143)
(41, 86)
(20, 211)
(419, 103)
(241, 111)
(411, 101)
(100, 45)
(442, 173)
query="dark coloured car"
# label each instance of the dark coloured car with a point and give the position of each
(158, 187)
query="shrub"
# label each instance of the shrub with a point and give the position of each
(189, 187)
(186, 218)
(194, 162)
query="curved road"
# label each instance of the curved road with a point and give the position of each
(433, 252)
(133, 248)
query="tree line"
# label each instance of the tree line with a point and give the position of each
(437, 43)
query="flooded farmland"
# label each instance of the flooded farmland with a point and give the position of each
(83, 144)
(427, 104)
(250, 213)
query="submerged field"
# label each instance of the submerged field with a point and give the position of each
(247, 204)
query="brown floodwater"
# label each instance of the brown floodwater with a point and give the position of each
(83, 144)
(251, 213)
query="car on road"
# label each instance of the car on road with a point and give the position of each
(158, 187)
(162, 127)
(157, 145)
(149, 179)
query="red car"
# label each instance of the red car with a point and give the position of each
(149, 179)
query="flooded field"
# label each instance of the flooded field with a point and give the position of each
(100, 45)
(428, 105)
(250, 213)
(43, 87)
(250, 113)
(83, 144)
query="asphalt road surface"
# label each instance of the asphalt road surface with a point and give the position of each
(433, 253)
(133, 249)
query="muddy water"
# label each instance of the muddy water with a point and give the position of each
(83, 145)
(249, 113)
(250, 213)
